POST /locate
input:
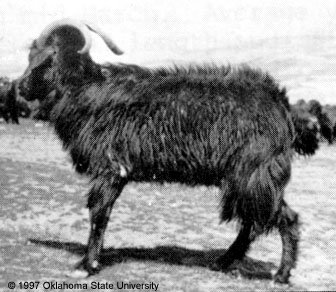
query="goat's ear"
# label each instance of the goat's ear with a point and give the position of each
(36, 60)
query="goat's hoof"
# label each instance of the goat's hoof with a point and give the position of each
(219, 267)
(29, 242)
(78, 274)
(83, 268)
(281, 278)
(215, 267)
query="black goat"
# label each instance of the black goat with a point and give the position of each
(8, 103)
(201, 125)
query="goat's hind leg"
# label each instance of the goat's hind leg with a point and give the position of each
(237, 250)
(288, 224)
(100, 203)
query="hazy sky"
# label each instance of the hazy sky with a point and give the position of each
(150, 31)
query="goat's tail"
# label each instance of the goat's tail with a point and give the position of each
(253, 193)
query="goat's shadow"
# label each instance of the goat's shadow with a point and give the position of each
(174, 255)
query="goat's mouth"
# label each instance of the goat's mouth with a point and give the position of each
(27, 88)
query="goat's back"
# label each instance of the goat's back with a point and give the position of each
(185, 127)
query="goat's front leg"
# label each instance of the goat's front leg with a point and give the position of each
(101, 199)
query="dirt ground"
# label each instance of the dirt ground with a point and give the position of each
(162, 234)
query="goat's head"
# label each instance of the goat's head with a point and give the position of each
(61, 56)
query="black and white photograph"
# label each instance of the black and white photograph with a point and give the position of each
(171, 146)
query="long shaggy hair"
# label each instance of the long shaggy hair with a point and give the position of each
(178, 129)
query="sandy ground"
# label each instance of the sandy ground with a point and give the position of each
(165, 234)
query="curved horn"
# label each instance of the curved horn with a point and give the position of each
(110, 44)
(44, 36)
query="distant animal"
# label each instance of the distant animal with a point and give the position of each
(308, 130)
(226, 126)
(330, 111)
(315, 108)
(8, 105)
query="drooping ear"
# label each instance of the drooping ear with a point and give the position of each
(42, 57)
(38, 56)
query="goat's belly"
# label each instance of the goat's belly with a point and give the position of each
(196, 176)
